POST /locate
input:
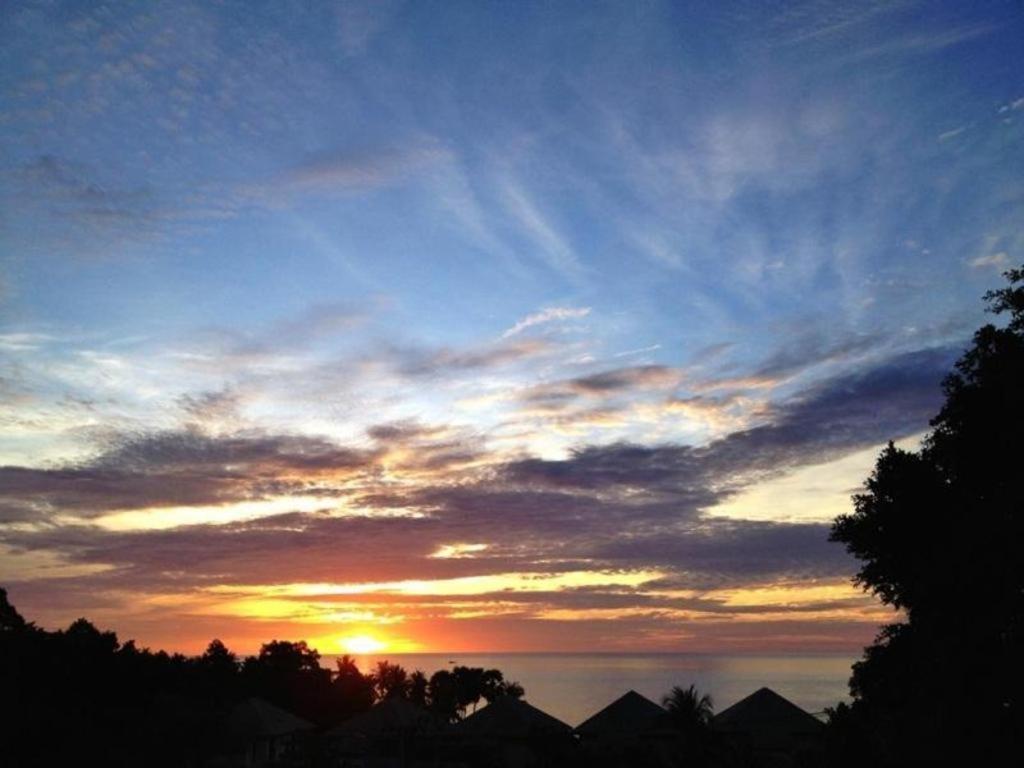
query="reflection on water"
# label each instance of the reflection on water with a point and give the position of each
(574, 686)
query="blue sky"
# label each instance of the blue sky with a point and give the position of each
(451, 238)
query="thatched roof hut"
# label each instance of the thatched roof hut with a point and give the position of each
(394, 728)
(255, 718)
(392, 715)
(262, 733)
(508, 717)
(629, 715)
(768, 722)
(511, 733)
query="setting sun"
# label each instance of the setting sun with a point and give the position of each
(362, 644)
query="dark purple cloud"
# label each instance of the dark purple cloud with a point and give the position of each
(889, 401)
(616, 506)
(731, 552)
(813, 347)
(179, 468)
(620, 379)
(604, 384)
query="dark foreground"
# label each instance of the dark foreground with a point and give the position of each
(80, 697)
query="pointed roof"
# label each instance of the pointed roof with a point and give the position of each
(768, 719)
(511, 717)
(630, 713)
(256, 718)
(391, 714)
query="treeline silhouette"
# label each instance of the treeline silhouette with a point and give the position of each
(79, 696)
(940, 535)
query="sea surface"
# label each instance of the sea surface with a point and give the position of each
(573, 686)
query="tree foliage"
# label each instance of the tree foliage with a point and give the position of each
(115, 704)
(938, 532)
(690, 713)
(690, 709)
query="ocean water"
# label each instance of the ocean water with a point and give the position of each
(574, 686)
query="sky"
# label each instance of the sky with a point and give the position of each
(448, 326)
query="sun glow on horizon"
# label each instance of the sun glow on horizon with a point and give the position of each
(362, 645)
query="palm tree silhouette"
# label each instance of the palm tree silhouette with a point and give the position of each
(689, 709)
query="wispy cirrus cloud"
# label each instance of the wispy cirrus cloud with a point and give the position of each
(549, 245)
(998, 261)
(432, 362)
(924, 42)
(545, 316)
(357, 168)
(288, 337)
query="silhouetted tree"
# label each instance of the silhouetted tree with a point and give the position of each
(284, 657)
(418, 688)
(494, 686)
(938, 532)
(442, 695)
(691, 711)
(10, 619)
(354, 690)
(218, 672)
(509, 688)
(390, 680)
(475, 683)
(469, 686)
(89, 640)
(114, 704)
(289, 675)
(218, 657)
